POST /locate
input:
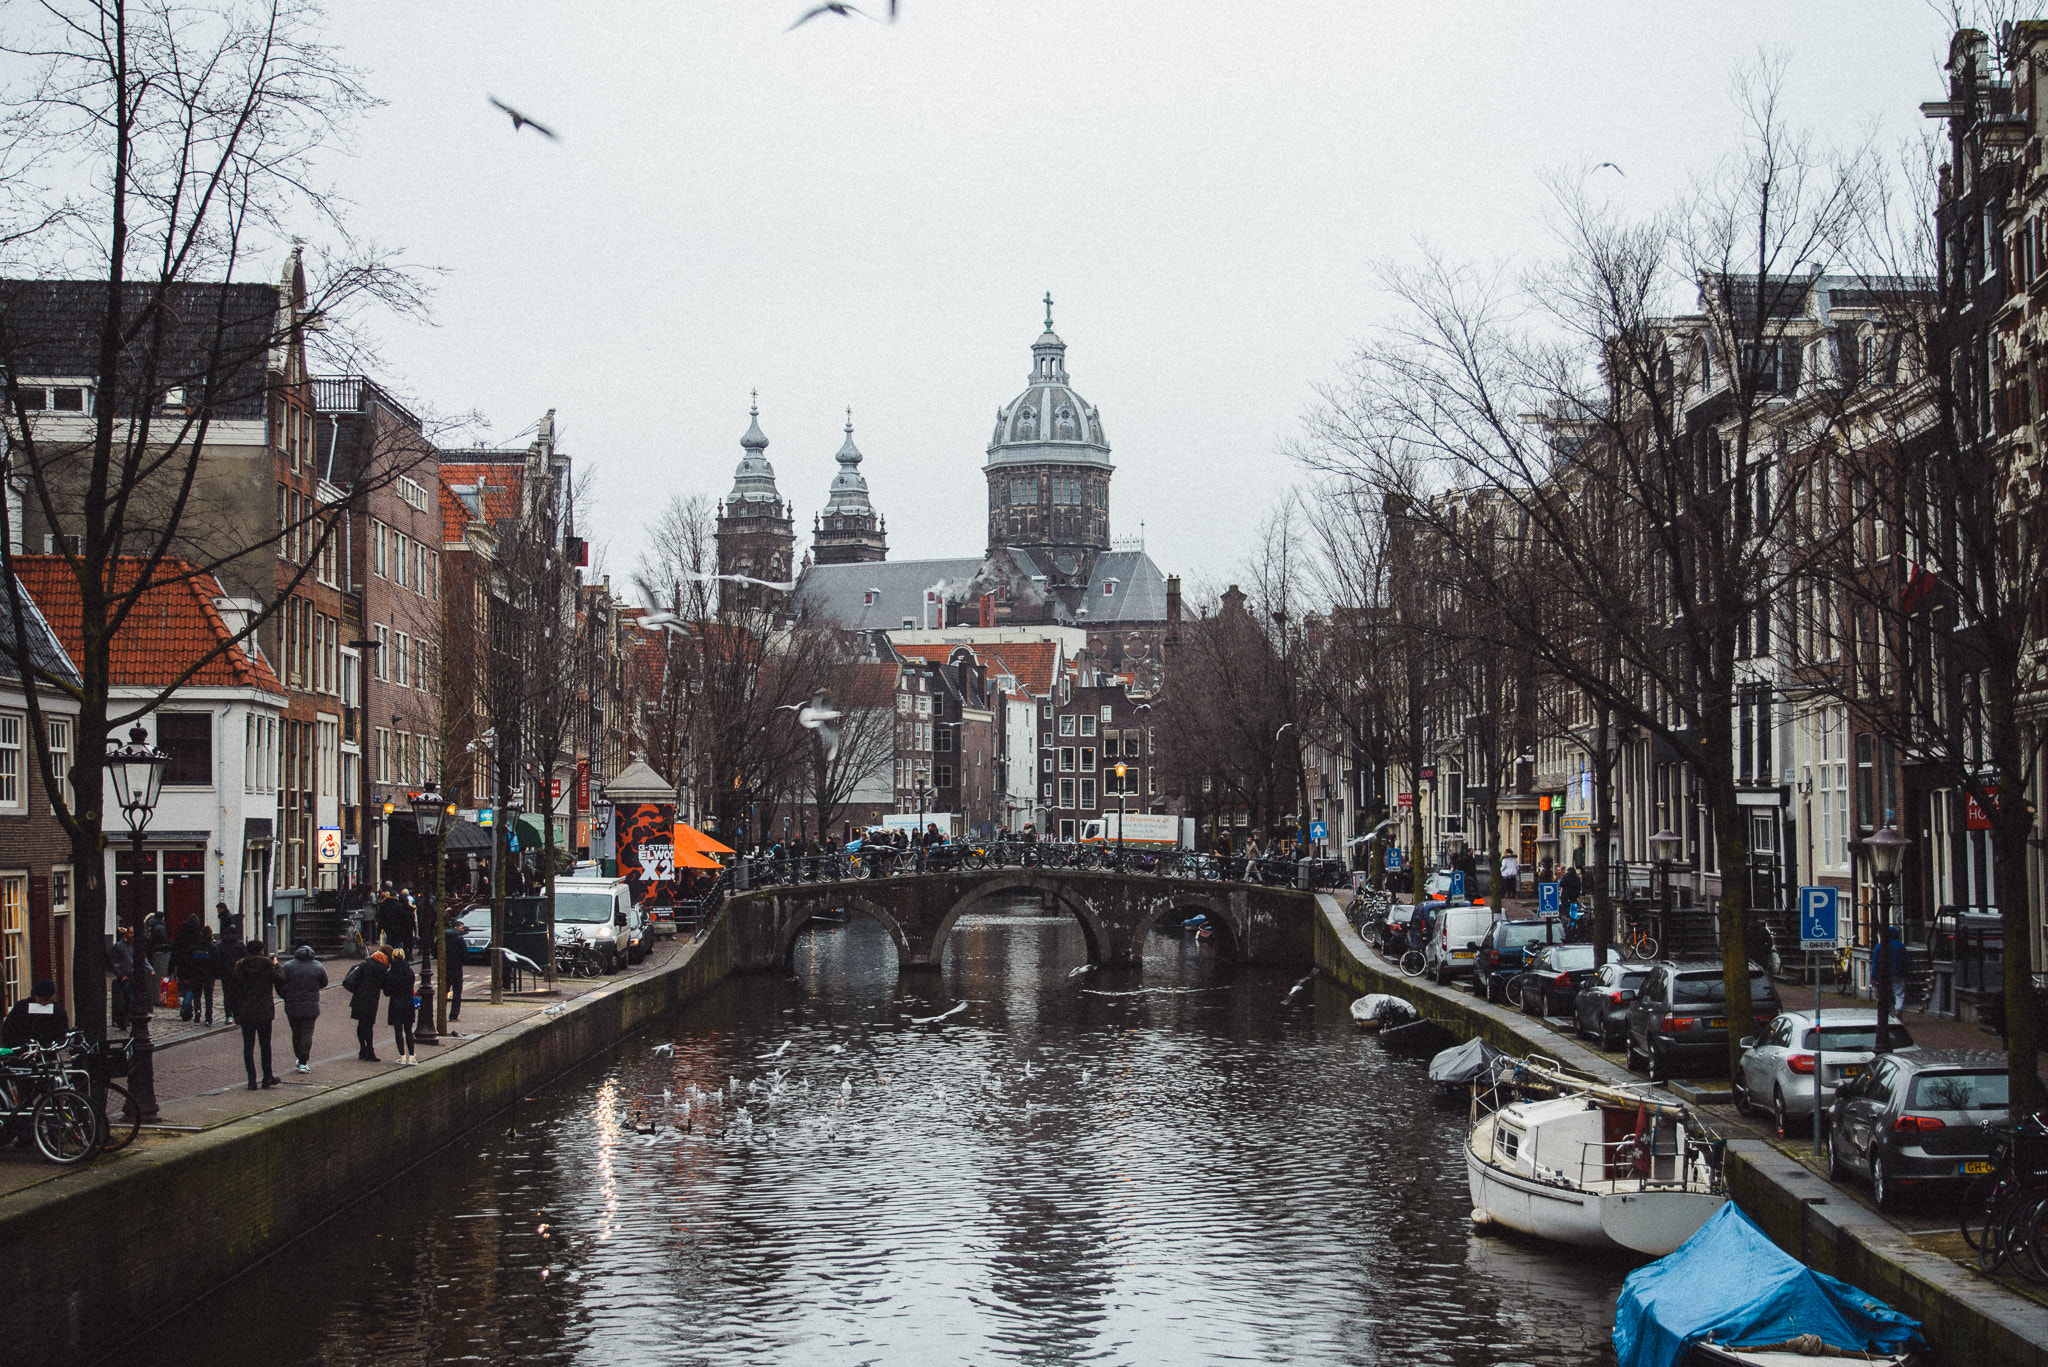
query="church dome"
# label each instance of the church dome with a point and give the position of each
(849, 494)
(1048, 422)
(754, 480)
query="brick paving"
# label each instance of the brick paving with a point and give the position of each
(200, 1082)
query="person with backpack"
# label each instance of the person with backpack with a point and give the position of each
(227, 953)
(365, 987)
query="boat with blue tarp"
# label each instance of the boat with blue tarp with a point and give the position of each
(1729, 1295)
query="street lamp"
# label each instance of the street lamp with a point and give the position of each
(1887, 848)
(429, 813)
(137, 770)
(1664, 847)
(917, 838)
(1121, 770)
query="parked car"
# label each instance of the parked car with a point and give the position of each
(476, 934)
(1777, 1068)
(1550, 985)
(1680, 1015)
(1454, 940)
(1392, 937)
(1438, 887)
(1504, 953)
(1917, 1121)
(1600, 1010)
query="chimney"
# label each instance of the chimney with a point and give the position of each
(1173, 601)
(988, 609)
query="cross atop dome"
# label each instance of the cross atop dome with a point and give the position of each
(1048, 310)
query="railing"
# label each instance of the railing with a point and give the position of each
(884, 861)
(1661, 1159)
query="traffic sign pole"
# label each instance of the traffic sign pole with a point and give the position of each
(1820, 927)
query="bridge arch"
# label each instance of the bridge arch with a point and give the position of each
(1100, 944)
(1183, 901)
(853, 902)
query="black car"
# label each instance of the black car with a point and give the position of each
(1550, 985)
(1503, 953)
(1391, 939)
(476, 934)
(1918, 1121)
(1600, 1011)
(1680, 1016)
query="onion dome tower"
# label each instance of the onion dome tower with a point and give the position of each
(1048, 471)
(849, 531)
(756, 536)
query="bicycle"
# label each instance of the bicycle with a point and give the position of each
(1412, 964)
(61, 1121)
(1637, 942)
(2004, 1211)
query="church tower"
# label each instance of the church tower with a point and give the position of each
(849, 532)
(755, 535)
(1048, 472)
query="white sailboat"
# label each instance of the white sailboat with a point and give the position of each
(1595, 1166)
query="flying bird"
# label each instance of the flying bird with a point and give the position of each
(520, 120)
(668, 1048)
(778, 1053)
(1610, 166)
(842, 9)
(705, 576)
(1283, 730)
(953, 1010)
(816, 716)
(1077, 972)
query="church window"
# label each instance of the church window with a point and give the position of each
(1027, 424)
(1066, 424)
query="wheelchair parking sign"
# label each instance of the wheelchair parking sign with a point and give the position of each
(1819, 918)
(1549, 899)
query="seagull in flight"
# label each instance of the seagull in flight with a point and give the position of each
(520, 120)
(1610, 166)
(705, 576)
(816, 716)
(669, 1048)
(842, 9)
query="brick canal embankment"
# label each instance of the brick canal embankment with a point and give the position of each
(91, 1261)
(1968, 1320)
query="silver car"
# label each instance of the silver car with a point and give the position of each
(1777, 1069)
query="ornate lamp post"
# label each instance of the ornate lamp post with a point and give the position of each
(137, 771)
(1121, 770)
(429, 819)
(1887, 848)
(917, 837)
(1663, 846)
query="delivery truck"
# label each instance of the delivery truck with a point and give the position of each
(1140, 830)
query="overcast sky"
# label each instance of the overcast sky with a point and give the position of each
(862, 214)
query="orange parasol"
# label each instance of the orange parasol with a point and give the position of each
(695, 859)
(690, 838)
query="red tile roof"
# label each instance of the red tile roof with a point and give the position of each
(498, 485)
(171, 626)
(1029, 662)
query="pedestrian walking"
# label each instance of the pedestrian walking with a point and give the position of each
(1570, 886)
(1510, 875)
(387, 914)
(251, 985)
(305, 977)
(365, 985)
(228, 954)
(400, 921)
(1894, 951)
(156, 943)
(456, 947)
(133, 995)
(404, 1009)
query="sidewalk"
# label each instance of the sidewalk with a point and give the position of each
(200, 1082)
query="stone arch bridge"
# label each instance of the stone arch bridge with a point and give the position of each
(1255, 924)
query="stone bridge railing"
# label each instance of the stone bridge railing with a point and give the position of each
(1257, 924)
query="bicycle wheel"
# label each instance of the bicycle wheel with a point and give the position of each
(1643, 945)
(1411, 963)
(1980, 1198)
(120, 1119)
(2026, 1238)
(65, 1126)
(1514, 993)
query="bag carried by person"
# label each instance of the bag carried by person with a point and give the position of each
(353, 977)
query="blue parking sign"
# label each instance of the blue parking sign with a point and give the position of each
(1549, 899)
(1393, 861)
(1457, 882)
(1318, 830)
(1819, 918)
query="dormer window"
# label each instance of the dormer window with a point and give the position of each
(1027, 424)
(868, 599)
(1065, 422)
(1109, 588)
(54, 398)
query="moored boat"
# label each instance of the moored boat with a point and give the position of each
(1376, 1011)
(1595, 1166)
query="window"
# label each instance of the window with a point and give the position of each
(945, 776)
(1066, 792)
(1066, 759)
(403, 745)
(187, 737)
(1067, 725)
(1048, 764)
(11, 791)
(1087, 759)
(14, 956)
(351, 779)
(1109, 588)
(945, 740)
(1087, 792)
(1110, 746)
(60, 757)
(412, 492)
(383, 748)
(377, 562)
(1048, 792)
(404, 659)
(1088, 723)
(328, 742)
(381, 634)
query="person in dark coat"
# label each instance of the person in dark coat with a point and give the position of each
(396, 922)
(304, 978)
(456, 947)
(197, 965)
(363, 999)
(398, 985)
(387, 914)
(36, 1019)
(227, 954)
(1570, 886)
(134, 993)
(251, 984)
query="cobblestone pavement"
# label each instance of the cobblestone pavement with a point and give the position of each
(200, 1081)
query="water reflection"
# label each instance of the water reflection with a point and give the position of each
(1150, 1165)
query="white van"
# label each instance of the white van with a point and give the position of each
(601, 910)
(1451, 949)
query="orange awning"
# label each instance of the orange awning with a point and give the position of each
(695, 859)
(690, 838)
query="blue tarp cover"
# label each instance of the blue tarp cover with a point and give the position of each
(1729, 1282)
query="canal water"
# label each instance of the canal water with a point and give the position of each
(1171, 1164)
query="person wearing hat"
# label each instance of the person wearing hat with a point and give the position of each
(37, 1019)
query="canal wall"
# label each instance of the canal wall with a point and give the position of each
(93, 1260)
(1966, 1319)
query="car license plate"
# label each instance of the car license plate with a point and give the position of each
(1461, 954)
(1718, 1023)
(1850, 1070)
(1974, 1169)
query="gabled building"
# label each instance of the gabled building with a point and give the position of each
(37, 931)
